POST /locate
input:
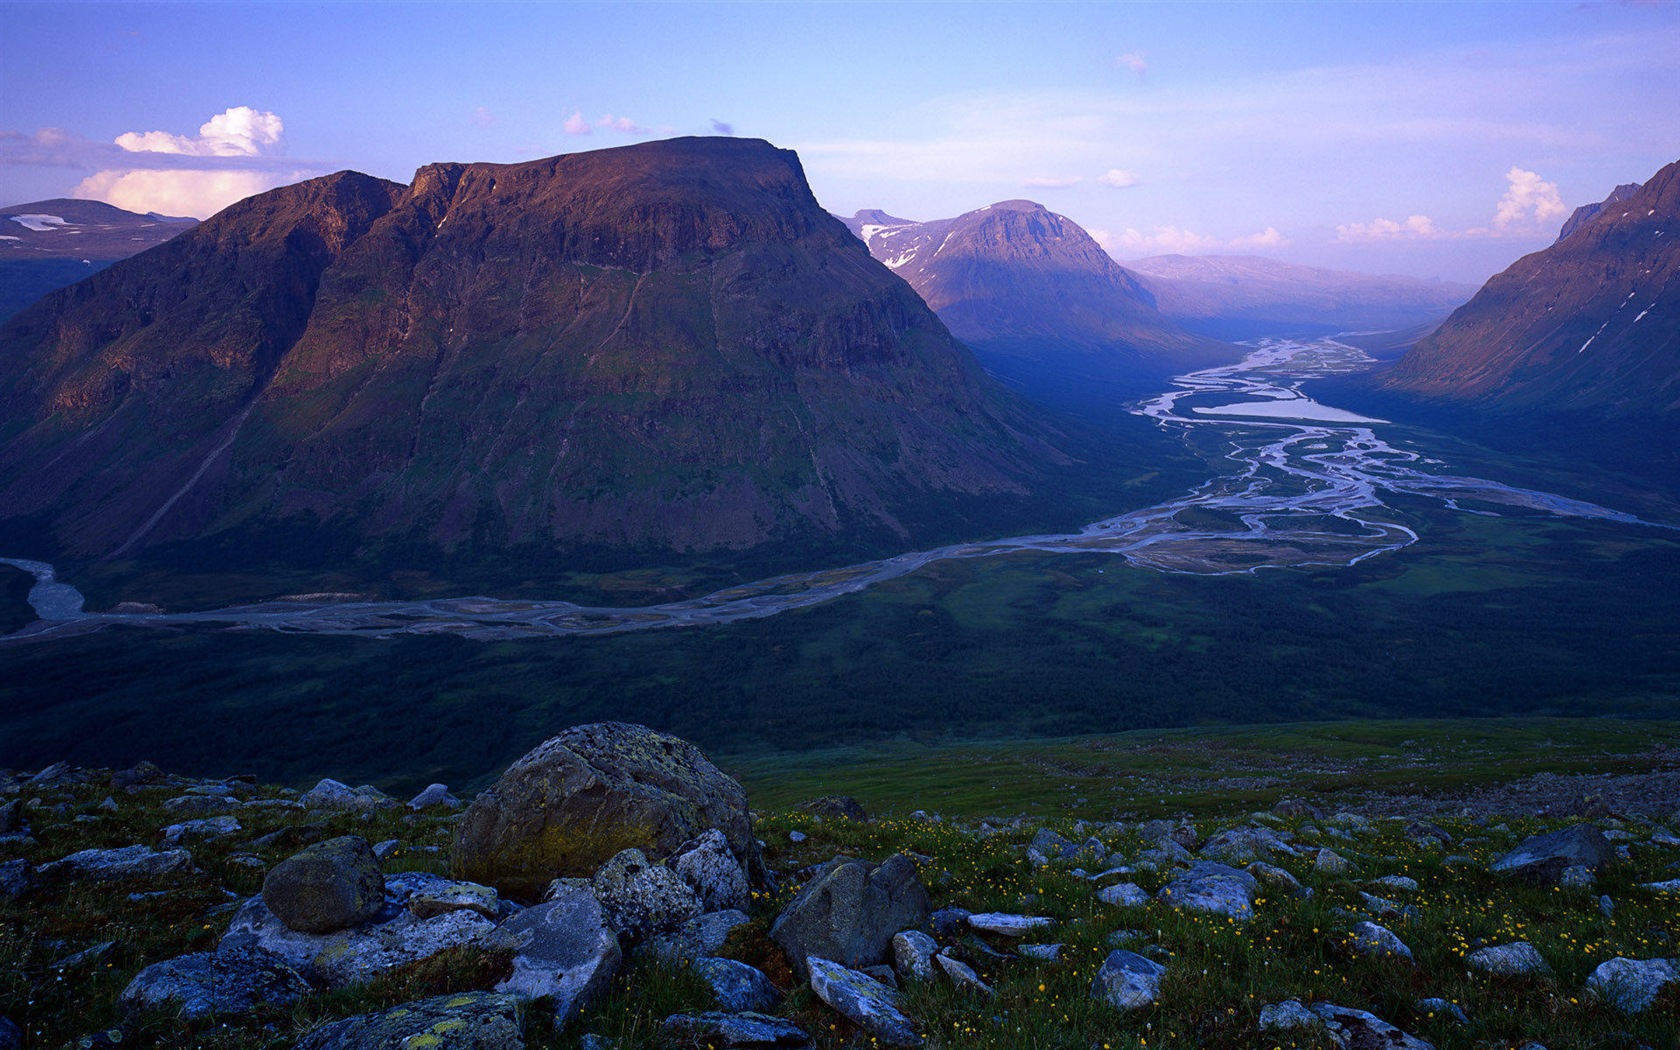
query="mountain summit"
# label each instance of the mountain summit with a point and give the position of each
(667, 346)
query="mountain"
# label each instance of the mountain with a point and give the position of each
(1243, 296)
(46, 245)
(1580, 215)
(1021, 284)
(662, 347)
(1590, 324)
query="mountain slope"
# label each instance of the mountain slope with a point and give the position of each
(666, 347)
(1015, 280)
(1579, 216)
(46, 245)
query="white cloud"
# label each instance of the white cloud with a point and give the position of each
(624, 124)
(1528, 197)
(1416, 227)
(1267, 238)
(1118, 178)
(237, 132)
(1134, 61)
(1051, 182)
(1104, 239)
(577, 125)
(1167, 240)
(196, 193)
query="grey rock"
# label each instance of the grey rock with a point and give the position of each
(1277, 880)
(228, 982)
(15, 878)
(1542, 858)
(1632, 985)
(738, 987)
(1508, 960)
(1330, 862)
(849, 914)
(1128, 981)
(1358, 1030)
(1396, 884)
(698, 937)
(1445, 1007)
(565, 952)
(1670, 886)
(591, 1041)
(1606, 906)
(385, 849)
(1124, 895)
(128, 862)
(1367, 938)
(1294, 807)
(731, 1031)
(796, 837)
(948, 921)
(354, 956)
(913, 953)
(1008, 925)
(11, 817)
(1382, 907)
(832, 807)
(332, 885)
(201, 804)
(865, 1001)
(1052, 845)
(1040, 952)
(963, 975)
(641, 898)
(1287, 1015)
(1661, 836)
(434, 795)
(882, 973)
(427, 896)
(211, 828)
(87, 957)
(1246, 845)
(334, 796)
(464, 1021)
(1212, 887)
(712, 871)
(1576, 877)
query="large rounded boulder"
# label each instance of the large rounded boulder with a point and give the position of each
(579, 799)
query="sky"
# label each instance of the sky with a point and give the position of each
(1432, 139)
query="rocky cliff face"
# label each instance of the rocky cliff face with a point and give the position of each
(1585, 212)
(665, 346)
(1589, 325)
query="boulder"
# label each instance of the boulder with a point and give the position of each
(1124, 895)
(1212, 887)
(1277, 880)
(1358, 1030)
(15, 878)
(963, 975)
(565, 952)
(850, 913)
(233, 981)
(395, 938)
(464, 1021)
(579, 799)
(948, 920)
(831, 807)
(1396, 883)
(711, 870)
(1128, 981)
(641, 898)
(1040, 952)
(1005, 924)
(1543, 858)
(1245, 846)
(738, 987)
(1367, 938)
(1330, 862)
(1294, 807)
(434, 795)
(334, 796)
(865, 1001)
(1508, 960)
(1445, 1007)
(1287, 1015)
(211, 828)
(698, 937)
(11, 817)
(107, 865)
(913, 953)
(332, 885)
(716, 1030)
(1632, 985)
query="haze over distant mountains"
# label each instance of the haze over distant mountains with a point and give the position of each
(49, 244)
(667, 346)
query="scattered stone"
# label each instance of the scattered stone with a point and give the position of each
(963, 975)
(1367, 938)
(738, 987)
(948, 921)
(1358, 1030)
(137, 775)
(865, 1001)
(849, 914)
(1425, 833)
(434, 795)
(796, 837)
(1382, 906)
(87, 957)
(434, 895)
(109, 805)
(1246, 845)
(213, 828)
(1330, 862)
(51, 775)
(1128, 981)
(1040, 952)
(11, 817)
(1294, 807)
(712, 871)
(698, 937)
(1671, 886)
(1631, 985)
(591, 1041)
(385, 849)
(1212, 887)
(128, 862)
(1508, 960)
(464, 1021)
(580, 798)
(1542, 858)
(201, 804)
(227, 981)
(329, 886)
(1444, 1006)
(1277, 880)
(1396, 883)
(1124, 895)
(1606, 906)
(1661, 836)
(641, 898)
(727, 1031)
(1289, 1014)
(832, 807)
(565, 951)
(913, 953)
(15, 878)
(336, 796)
(1007, 925)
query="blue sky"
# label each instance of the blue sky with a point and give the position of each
(1437, 139)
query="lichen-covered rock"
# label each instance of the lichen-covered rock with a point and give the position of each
(1277, 880)
(963, 975)
(1329, 862)
(850, 913)
(913, 953)
(1246, 845)
(1006, 924)
(865, 1001)
(1040, 952)
(434, 795)
(711, 870)
(717, 1030)
(332, 885)
(641, 898)
(565, 952)
(1632, 985)
(1508, 960)
(395, 938)
(428, 895)
(211, 828)
(835, 806)
(1358, 1030)
(1212, 887)
(1287, 1015)
(466, 1021)
(334, 796)
(106, 865)
(1124, 895)
(738, 987)
(1367, 938)
(1543, 858)
(577, 800)
(1128, 981)
(698, 937)
(233, 981)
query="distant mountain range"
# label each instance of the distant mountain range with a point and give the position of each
(1024, 286)
(1244, 296)
(46, 245)
(662, 347)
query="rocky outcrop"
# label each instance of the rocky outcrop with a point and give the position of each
(564, 952)
(226, 981)
(718, 1030)
(850, 913)
(329, 886)
(467, 1021)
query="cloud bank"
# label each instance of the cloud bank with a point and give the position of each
(237, 132)
(1529, 205)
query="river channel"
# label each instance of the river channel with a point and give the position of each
(1302, 484)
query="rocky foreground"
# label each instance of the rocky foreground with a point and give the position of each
(612, 889)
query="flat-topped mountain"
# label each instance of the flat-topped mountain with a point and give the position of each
(1015, 280)
(1240, 296)
(48, 244)
(667, 346)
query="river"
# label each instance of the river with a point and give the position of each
(1304, 486)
